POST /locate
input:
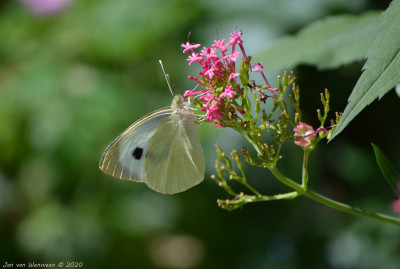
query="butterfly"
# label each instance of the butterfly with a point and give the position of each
(162, 149)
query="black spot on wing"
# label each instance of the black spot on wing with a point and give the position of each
(137, 153)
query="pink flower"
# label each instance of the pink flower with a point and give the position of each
(207, 97)
(233, 76)
(209, 53)
(189, 93)
(195, 79)
(214, 112)
(306, 134)
(322, 130)
(46, 7)
(189, 47)
(220, 44)
(210, 72)
(235, 38)
(228, 92)
(273, 89)
(257, 67)
(233, 56)
(396, 204)
(195, 57)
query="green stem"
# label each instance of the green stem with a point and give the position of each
(243, 198)
(285, 180)
(251, 141)
(289, 195)
(332, 203)
(350, 209)
(304, 175)
(247, 185)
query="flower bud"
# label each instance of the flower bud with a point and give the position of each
(306, 134)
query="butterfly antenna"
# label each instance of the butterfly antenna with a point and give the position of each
(166, 78)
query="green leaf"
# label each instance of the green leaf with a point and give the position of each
(327, 43)
(387, 169)
(381, 69)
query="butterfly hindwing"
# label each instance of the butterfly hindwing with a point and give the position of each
(125, 156)
(174, 159)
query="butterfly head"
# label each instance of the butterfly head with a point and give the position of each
(179, 103)
(182, 107)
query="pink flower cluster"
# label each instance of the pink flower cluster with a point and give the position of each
(217, 77)
(306, 134)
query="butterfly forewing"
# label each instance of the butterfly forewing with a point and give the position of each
(174, 159)
(125, 156)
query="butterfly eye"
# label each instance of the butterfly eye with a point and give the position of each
(137, 153)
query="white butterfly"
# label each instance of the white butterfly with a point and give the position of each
(161, 149)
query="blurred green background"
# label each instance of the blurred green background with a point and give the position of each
(74, 74)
